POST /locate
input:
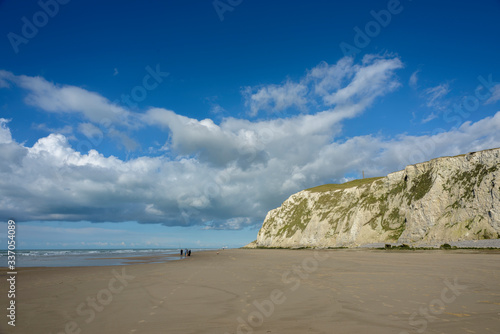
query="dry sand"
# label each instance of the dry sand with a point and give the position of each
(267, 291)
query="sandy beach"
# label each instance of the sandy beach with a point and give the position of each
(266, 291)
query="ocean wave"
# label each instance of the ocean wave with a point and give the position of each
(57, 253)
(92, 252)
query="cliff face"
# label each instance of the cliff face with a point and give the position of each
(442, 200)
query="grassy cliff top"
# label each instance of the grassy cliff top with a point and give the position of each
(350, 184)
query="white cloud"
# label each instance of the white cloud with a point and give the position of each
(413, 82)
(123, 139)
(495, 94)
(436, 96)
(5, 135)
(247, 143)
(229, 224)
(90, 130)
(225, 175)
(275, 98)
(429, 118)
(375, 77)
(330, 78)
(99, 111)
(65, 130)
(243, 142)
(51, 181)
(217, 109)
(70, 99)
(324, 86)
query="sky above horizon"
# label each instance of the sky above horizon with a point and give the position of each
(181, 124)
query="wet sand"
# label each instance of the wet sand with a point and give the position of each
(266, 291)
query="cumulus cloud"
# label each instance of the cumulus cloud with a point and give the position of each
(276, 98)
(52, 181)
(324, 86)
(349, 89)
(245, 143)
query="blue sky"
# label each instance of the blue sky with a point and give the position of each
(167, 124)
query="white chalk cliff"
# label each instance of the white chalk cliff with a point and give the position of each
(442, 200)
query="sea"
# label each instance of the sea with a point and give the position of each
(88, 257)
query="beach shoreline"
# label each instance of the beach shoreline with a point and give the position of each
(90, 257)
(265, 291)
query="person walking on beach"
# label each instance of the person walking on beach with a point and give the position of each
(181, 252)
(189, 252)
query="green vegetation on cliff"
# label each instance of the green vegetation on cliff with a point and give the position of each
(421, 186)
(299, 219)
(350, 184)
(469, 180)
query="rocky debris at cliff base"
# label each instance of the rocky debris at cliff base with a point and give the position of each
(489, 243)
